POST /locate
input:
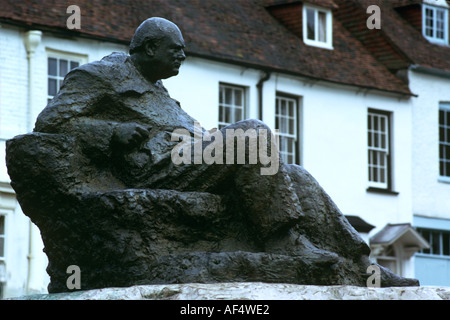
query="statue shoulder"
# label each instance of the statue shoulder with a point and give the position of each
(110, 67)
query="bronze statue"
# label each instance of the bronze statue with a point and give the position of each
(97, 176)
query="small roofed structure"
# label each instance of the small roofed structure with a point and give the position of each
(393, 245)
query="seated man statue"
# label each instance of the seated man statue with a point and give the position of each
(124, 120)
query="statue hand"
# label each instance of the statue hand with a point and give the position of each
(129, 136)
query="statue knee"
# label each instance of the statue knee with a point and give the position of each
(249, 124)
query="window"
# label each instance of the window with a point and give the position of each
(2, 237)
(57, 69)
(439, 241)
(435, 24)
(2, 254)
(286, 121)
(231, 104)
(378, 149)
(444, 141)
(317, 27)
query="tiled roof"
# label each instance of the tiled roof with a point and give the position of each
(238, 31)
(398, 44)
(321, 3)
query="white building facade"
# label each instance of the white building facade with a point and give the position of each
(431, 175)
(376, 153)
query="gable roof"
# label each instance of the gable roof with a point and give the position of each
(399, 44)
(239, 31)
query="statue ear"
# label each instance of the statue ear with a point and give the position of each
(149, 48)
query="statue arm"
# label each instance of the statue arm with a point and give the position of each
(84, 108)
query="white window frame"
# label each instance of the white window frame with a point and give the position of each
(433, 38)
(235, 106)
(70, 57)
(444, 145)
(3, 236)
(328, 44)
(290, 129)
(378, 149)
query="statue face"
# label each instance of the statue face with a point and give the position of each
(169, 55)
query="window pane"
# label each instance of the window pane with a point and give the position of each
(52, 87)
(382, 175)
(445, 243)
(447, 118)
(63, 67)
(2, 247)
(238, 97)
(74, 64)
(383, 124)
(291, 126)
(227, 112)
(291, 109)
(221, 114)
(221, 94)
(376, 120)
(310, 17)
(383, 141)
(228, 96)
(52, 66)
(435, 242)
(426, 235)
(376, 140)
(283, 107)
(322, 27)
(442, 117)
(2, 225)
(238, 114)
(375, 175)
(290, 159)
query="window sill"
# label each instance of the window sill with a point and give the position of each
(382, 191)
(318, 44)
(444, 180)
(432, 256)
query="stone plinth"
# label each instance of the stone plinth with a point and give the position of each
(250, 291)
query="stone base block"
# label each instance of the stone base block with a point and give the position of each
(250, 291)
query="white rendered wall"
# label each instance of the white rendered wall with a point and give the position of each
(430, 194)
(333, 126)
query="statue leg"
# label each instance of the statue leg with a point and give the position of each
(268, 200)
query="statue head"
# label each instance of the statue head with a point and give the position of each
(157, 49)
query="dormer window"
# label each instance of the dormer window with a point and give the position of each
(435, 24)
(317, 27)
